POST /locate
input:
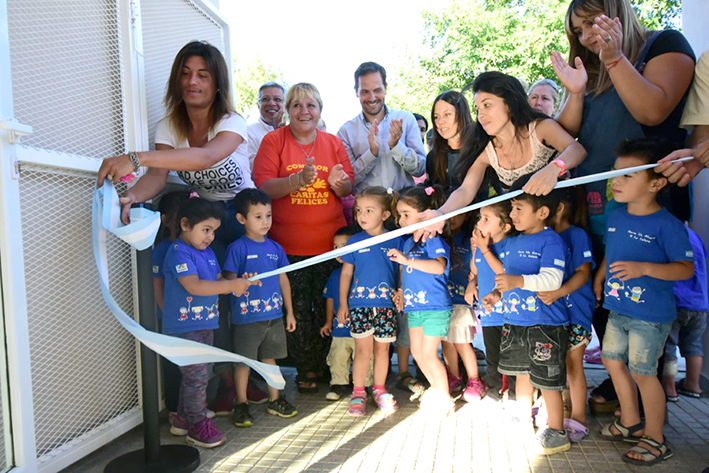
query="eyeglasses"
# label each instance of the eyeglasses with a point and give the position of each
(548, 82)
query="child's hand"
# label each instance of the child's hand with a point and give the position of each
(491, 299)
(343, 314)
(625, 270)
(397, 256)
(549, 297)
(598, 281)
(472, 242)
(471, 293)
(326, 330)
(481, 241)
(507, 282)
(240, 285)
(290, 323)
(398, 299)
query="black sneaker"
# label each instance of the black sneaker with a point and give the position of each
(241, 415)
(281, 408)
(336, 392)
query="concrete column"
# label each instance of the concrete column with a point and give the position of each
(695, 18)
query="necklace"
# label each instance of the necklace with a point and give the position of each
(312, 148)
(512, 165)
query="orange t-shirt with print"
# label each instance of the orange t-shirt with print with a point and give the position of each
(303, 221)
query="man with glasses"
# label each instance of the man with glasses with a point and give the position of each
(271, 98)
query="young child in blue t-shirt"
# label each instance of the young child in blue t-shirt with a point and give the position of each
(577, 292)
(490, 235)
(688, 330)
(424, 294)
(342, 347)
(168, 207)
(534, 335)
(647, 249)
(367, 284)
(258, 331)
(457, 344)
(192, 285)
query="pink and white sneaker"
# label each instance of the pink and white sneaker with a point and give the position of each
(475, 390)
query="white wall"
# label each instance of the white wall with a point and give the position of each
(695, 18)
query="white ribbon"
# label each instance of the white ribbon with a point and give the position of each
(412, 228)
(140, 234)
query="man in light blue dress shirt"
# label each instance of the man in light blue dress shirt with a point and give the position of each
(384, 145)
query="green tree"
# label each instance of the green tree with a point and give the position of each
(248, 77)
(512, 36)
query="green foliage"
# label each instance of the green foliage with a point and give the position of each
(247, 80)
(512, 36)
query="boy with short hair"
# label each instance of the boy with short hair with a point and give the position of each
(342, 348)
(534, 335)
(647, 249)
(257, 316)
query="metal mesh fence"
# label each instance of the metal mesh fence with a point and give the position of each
(66, 74)
(165, 31)
(3, 453)
(83, 362)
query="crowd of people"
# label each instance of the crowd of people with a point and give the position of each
(282, 190)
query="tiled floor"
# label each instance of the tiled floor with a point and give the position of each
(474, 439)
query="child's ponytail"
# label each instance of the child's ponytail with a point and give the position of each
(196, 210)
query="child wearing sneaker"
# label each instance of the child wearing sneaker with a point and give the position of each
(577, 292)
(342, 348)
(367, 285)
(687, 331)
(457, 344)
(647, 250)
(257, 316)
(534, 335)
(490, 234)
(192, 285)
(424, 295)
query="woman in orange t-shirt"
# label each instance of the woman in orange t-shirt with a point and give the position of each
(306, 172)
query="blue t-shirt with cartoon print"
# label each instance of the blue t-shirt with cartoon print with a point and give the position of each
(426, 291)
(656, 238)
(183, 311)
(461, 254)
(581, 303)
(374, 277)
(486, 283)
(258, 303)
(159, 252)
(332, 291)
(527, 255)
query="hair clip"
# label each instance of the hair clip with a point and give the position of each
(390, 191)
(129, 178)
(194, 195)
(430, 190)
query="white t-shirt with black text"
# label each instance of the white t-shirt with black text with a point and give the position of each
(223, 180)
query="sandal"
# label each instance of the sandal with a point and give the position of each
(682, 389)
(626, 433)
(307, 380)
(406, 382)
(575, 429)
(385, 401)
(649, 458)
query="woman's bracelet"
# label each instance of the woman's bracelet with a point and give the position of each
(611, 65)
(297, 176)
(290, 184)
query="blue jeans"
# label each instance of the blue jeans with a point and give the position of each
(636, 342)
(687, 332)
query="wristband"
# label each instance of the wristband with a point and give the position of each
(562, 166)
(134, 160)
(611, 65)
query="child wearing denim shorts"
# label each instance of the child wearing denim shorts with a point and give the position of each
(534, 335)
(688, 329)
(647, 249)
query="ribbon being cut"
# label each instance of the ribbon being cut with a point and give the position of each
(140, 234)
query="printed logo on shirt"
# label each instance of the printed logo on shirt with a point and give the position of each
(587, 254)
(365, 250)
(251, 256)
(224, 176)
(689, 254)
(272, 256)
(156, 269)
(315, 194)
(441, 251)
(641, 237)
(181, 268)
(611, 229)
(559, 262)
